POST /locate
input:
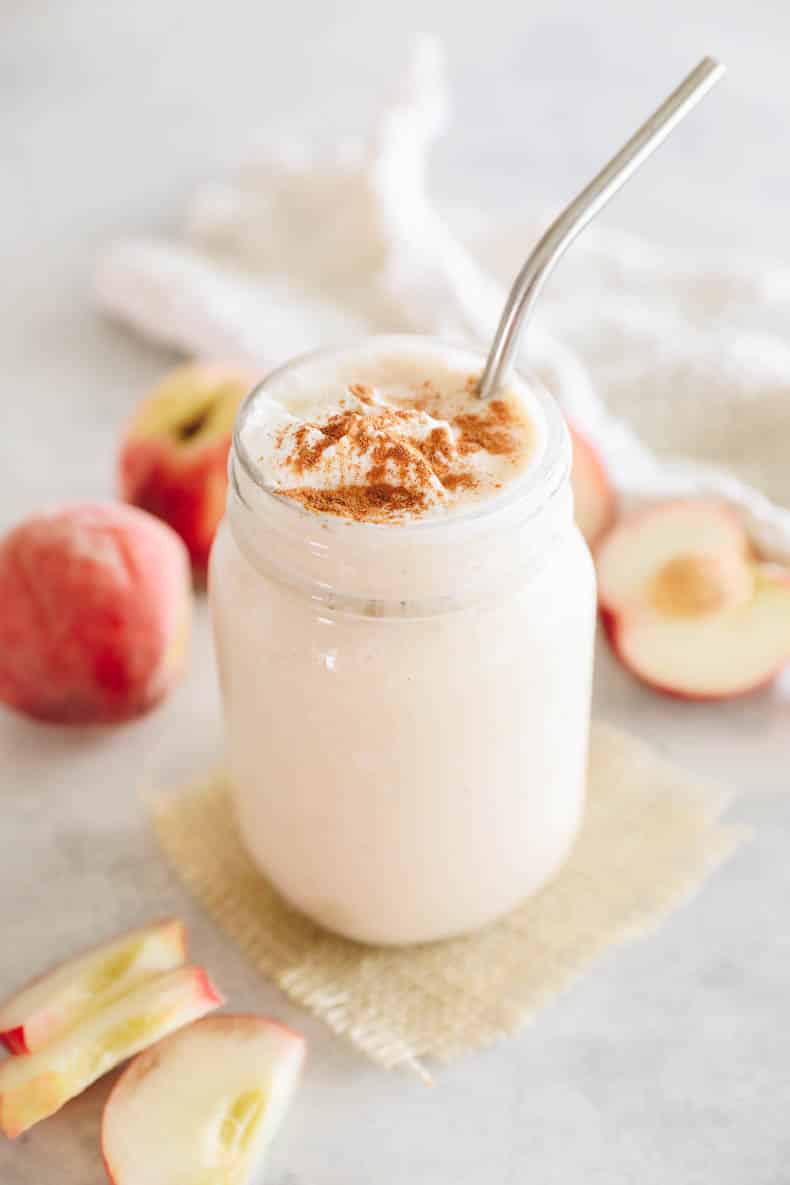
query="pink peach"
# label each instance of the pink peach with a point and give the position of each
(95, 604)
(593, 497)
(174, 453)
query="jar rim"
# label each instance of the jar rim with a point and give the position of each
(548, 474)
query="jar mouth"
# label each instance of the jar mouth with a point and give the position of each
(544, 476)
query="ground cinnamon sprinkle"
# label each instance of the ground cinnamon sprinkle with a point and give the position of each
(459, 481)
(362, 392)
(307, 453)
(361, 503)
(308, 450)
(399, 479)
(337, 427)
(386, 474)
(491, 430)
(437, 450)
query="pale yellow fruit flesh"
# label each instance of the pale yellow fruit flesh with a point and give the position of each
(36, 1085)
(203, 1106)
(712, 655)
(695, 584)
(64, 997)
(193, 404)
(41, 1096)
(641, 547)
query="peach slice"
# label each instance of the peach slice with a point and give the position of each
(204, 1105)
(174, 453)
(44, 1009)
(38, 1085)
(593, 497)
(687, 607)
(95, 606)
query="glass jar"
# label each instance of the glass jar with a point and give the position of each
(406, 706)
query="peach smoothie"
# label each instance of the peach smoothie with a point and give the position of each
(404, 616)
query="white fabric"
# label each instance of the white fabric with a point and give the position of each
(300, 250)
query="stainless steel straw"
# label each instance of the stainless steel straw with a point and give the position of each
(574, 218)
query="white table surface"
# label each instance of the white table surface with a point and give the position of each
(670, 1060)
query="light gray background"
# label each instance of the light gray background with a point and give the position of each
(670, 1061)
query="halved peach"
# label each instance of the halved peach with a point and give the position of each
(686, 604)
(593, 496)
(204, 1105)
(38, 1085)
(45, 1008)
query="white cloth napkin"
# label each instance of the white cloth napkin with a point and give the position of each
(678, 369)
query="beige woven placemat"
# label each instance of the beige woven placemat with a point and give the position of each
(650, 835)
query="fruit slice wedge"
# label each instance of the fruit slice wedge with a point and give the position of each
(687, 607)
(593, 497)
(46, 1008)
(33, 1087)
(203, 1106)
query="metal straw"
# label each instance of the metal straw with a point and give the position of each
(582, 210)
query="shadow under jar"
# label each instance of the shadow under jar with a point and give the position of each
(406, 704)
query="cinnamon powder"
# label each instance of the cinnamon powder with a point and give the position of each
(367, 503)
(492, 430)
(401, 474)
(362, 392)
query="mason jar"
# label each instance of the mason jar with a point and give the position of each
(406, 704)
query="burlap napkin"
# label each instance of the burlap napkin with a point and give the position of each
(650, 837)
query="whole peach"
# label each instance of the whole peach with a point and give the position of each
(95, 604)
(174, 454)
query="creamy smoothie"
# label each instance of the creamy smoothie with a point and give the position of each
(404, 615)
